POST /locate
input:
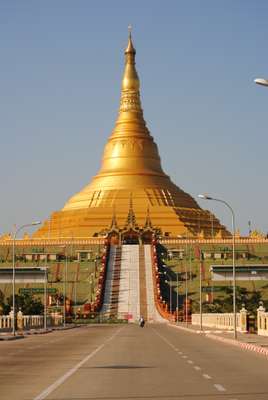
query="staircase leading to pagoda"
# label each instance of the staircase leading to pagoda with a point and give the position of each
(129, 289)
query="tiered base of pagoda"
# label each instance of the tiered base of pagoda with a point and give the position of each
(94, 221)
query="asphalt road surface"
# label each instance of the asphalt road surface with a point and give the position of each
(126, 362)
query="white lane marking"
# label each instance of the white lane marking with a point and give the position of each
(170, 344)
(220, 388)
(190, 362)
(69, 373)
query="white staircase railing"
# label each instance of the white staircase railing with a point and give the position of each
(152, 313)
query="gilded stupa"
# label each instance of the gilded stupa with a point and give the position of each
(131, 171)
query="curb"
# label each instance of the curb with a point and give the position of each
(62, 328)
(244, 346)
(37, 332)
(4, 338)
(183, 328)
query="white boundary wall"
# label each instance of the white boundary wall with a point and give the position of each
(262, 322)
(218, 320)
(29, 321)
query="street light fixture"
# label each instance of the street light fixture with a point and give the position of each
(13, 268)
(206, 197)
(261, 81)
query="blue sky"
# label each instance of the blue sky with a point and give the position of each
(61, 69)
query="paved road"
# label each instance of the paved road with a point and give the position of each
(126, 362)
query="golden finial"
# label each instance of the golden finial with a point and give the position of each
(130, 47)
(129, 31)
(130, 80)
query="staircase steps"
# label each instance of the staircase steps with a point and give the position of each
(129, 286)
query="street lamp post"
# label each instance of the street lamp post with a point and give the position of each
(95, 266)
(91, 280)
(64, 286)
(45, 296)
(13, 269)
(45, 300)
(170, 294)
(65, 278)
(200, 293)
(186, 293)
(177, 297)
(206, 197)
(75, 293)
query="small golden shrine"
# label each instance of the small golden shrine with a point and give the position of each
(131, 169)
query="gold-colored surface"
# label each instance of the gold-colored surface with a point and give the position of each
(131, 167)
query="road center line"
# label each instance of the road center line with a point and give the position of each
(167, 341)
(220, 388)
(207, 376)
(69, 373)
(197, 368)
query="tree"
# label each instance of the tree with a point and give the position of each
(27, 304)
(4, 308)
(225, 304)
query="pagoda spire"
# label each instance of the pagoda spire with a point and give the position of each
(148, 222)
(114, 225)
(130, 110)
(131, 218)
(130, 150)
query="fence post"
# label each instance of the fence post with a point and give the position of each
(260, 314)
(20, 320)
(243, 320)
(11, 320)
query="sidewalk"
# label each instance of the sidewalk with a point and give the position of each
(247, 341)
(23, 334)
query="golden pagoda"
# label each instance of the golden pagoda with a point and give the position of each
(130, 171)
